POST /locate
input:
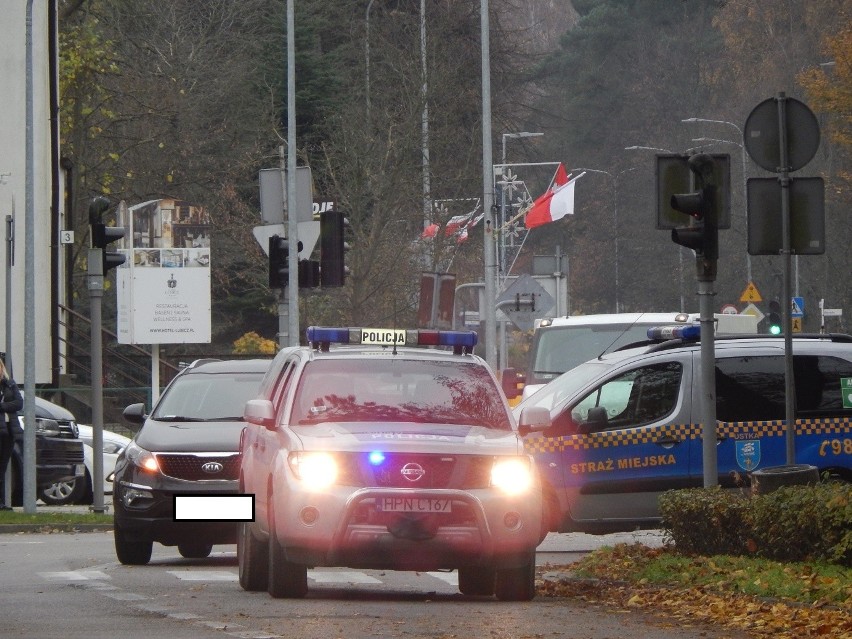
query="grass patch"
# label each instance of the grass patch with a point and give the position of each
(806, 583)
(19, 517)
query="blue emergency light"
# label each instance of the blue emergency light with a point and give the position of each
(690, 331)
(461, 341)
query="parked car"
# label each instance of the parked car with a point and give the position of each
(59, 451)
(188, 445)
(627, 426)
(76, 491)
(376, 448)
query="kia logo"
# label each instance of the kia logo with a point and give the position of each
(212, 467)
(412, 472)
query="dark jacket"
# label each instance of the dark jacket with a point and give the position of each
(12, 402)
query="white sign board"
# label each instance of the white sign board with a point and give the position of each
(164, 285)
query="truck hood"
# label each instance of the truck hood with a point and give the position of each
(187, 437)
(408, 437)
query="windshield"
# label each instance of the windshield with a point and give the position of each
(399, 390)
(208, 397)
(565, 386)
(561, 348)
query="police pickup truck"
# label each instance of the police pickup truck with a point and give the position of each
(388, 449)
(626, 426)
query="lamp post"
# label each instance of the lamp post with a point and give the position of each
(745, 177)
(614, 179)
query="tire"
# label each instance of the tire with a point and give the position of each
(65, 492)
(517, 584)
(285, 578)
(193, 550)
(131, 553)
(477, 581)
(253, 560)
(767, 480)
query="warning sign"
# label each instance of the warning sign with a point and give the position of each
(751, 294)
(797, 324)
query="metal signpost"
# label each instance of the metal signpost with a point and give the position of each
(781, 135)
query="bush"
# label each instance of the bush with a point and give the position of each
(794, 523)
(253, 344)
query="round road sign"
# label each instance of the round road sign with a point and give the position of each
(762, 138)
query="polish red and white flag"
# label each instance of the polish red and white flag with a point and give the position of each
(554, 204)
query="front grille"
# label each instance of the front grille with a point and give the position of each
(398, 470)
(191, 466)
(68, 428)
(59, 456)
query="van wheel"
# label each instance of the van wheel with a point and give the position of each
(195, 550)
(65, 492)
(517, 584)
(131, 553)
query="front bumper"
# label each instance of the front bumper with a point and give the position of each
(146, 513)
(345, 527)
(58, 460)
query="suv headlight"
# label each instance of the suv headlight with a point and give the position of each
(141, 458)
(317, 470)
(512, 475)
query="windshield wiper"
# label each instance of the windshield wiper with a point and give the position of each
(178, 418)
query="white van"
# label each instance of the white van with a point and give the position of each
(561, 343)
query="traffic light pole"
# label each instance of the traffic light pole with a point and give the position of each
(96, 293)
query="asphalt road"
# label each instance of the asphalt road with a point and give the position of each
(70, 585)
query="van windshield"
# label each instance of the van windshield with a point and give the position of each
(561, 348)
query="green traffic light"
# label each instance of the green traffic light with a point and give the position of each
(775, 329)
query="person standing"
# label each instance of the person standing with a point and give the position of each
(11, 403)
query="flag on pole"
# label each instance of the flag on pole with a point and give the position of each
(556, 203)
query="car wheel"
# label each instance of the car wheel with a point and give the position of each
(63, 492)
(285, 579)
(195, 550)
(131, 553)
(517, 584)
(475, 580)
(252, 560)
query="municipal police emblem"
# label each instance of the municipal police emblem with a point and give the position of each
(748, 453)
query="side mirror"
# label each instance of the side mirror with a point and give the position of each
(509, 380)
(533, 419)
(260, 412)
(135, 416)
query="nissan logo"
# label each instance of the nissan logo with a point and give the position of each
(212, 467)
(412, 472)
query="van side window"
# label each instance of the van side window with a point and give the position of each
(750, 389)
(640, 396)
(817, 381)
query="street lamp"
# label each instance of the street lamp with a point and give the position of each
(745, 177)
(614, 179)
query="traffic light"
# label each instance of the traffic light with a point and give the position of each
(702, 235)
(774, 318)
(279, 262)
(332, 248)
(103, 235)
(309, 273)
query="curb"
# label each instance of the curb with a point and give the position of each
(10, 529)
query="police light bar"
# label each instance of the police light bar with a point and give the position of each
(465, 340)
(691, 331)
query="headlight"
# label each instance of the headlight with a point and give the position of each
(513, 475)
(47, 427)
(317, 470)
(140, 457)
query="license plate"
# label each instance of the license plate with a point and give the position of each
(414, 505)
(80, 470)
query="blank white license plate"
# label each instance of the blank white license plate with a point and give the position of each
(414, 505)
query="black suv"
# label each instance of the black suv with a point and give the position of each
(59, 451)
(189, 444)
